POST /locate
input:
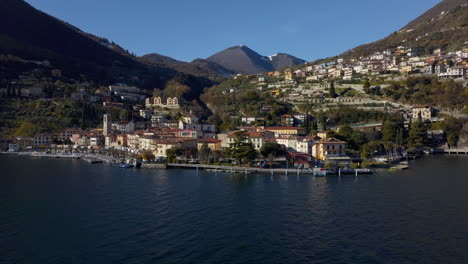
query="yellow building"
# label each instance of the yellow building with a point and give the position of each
(288, 76)
(322, 134)
(406, 69)
(162, 146)
(287, 130)
(276, 92)
(329, 147)
(212, 143)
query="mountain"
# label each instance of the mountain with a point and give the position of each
(281, 61)
(30, 34)
(155, 58)
(443, 26)
(242, 59)
(198, 67)
(33, 35)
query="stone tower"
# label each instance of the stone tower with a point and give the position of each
(107, 124)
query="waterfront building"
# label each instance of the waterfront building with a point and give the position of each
(42, 140)
(96, 140)
(290, 142)
(306, 145)
(68, 133)
(255, 138)
(212, 143)
(163, 145)
(328, 148)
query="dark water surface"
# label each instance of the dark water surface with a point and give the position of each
(69, 211)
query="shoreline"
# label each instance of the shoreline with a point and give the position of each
(99, 158)
(90, 157)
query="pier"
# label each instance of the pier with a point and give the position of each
(452, 150)
(278, 171)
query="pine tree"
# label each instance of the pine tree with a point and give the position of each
(332, 90)
(366, 87)
(417, 134)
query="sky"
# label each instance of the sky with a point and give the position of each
(190, 29)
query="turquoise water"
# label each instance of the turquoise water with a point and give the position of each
(69, 211)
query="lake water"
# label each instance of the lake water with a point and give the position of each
(69, 211)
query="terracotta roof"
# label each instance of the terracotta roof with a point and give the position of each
(330, 141)
(209, 140)
(421, 106)
(255, 135)
(165, 141)
(285, 128)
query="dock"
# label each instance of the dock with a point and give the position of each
(280, 171)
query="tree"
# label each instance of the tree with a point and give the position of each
(417, 134)
(241, 149)
(366, 87)
(172, 153)
(123, 115)
(389, 130)
(271, 150)
(329, 165)
(332, 93)
(204, 153)
(451, 127)
(345, 132)
(392, 129)
(358, 138)
(147, 155)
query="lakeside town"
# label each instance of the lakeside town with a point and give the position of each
(161, 129)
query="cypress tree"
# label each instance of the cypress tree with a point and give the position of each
(332, 90)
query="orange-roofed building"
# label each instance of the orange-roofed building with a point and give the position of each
(329, 147)
(212, 143)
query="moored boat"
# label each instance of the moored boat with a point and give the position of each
(126, 165)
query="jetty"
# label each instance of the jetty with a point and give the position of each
(456, 151)
(281, 171)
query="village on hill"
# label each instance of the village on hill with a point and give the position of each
(160, 129)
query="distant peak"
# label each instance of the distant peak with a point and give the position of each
(271, 56)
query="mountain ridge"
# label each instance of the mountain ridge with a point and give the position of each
(443, 26)
(242, 59)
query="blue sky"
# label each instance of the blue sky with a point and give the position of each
(189, 29)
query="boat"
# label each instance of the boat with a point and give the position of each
(126, 165)
(320, 172)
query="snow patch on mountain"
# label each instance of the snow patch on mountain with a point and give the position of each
(271, 57)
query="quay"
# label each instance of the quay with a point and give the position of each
(91, 158)
(456, 151)
(246, 170)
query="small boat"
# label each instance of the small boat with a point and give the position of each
(320, 172)
(126, 165)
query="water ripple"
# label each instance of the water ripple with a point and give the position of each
(84, 213)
